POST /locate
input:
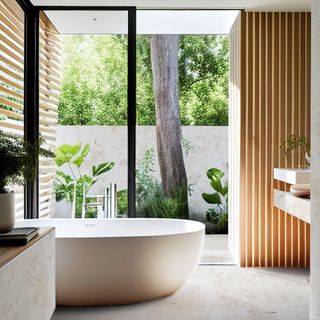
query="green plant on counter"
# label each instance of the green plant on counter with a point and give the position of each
(218, 215)
(19, 159)
(76, 183)
(295, 142)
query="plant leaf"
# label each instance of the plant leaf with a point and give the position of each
(75, 149)
(93, 170)
(213, 198)
(78, 161)
(215, 172)
(85, 150)
(85, 179)
(216, 184)
(102, 168)
(65, 153)
(224, 190)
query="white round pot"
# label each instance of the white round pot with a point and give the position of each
(63, 209)
(7, 212)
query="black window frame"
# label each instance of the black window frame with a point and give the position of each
(31, 94)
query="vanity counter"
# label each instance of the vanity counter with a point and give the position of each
(27, 279)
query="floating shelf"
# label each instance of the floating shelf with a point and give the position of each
(292, 176)
(298, 207)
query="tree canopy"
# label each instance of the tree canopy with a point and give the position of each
(94, 80)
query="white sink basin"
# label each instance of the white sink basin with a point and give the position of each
(292, 176)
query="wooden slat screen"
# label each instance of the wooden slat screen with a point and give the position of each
(12, 77)
(274, 103)
(234, 136)
(49, 95)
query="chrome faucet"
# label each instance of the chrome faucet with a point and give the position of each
(106, 204)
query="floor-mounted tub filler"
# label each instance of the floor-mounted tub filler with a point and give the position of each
(122, 261)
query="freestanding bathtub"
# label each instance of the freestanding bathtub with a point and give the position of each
(122, 261)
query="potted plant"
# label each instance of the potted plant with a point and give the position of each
(18, 162)
(295, 142)
(75, 186)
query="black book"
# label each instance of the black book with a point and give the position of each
(18, 236)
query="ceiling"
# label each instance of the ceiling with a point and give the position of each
(148, 21)
(252, 5)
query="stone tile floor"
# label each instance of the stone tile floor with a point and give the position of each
(217, 292)
(216, 251)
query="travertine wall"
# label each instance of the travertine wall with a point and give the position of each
(315, 162)
(109, 143)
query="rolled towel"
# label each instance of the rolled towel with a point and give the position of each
(300, 190)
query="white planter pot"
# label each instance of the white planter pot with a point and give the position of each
(7, 212)
(307, 157)
(63, 209)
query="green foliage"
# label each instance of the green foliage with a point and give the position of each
(157, 204)
(152, 202)
(94, 80)
(218, 215)
(187, 146)
(101, 168)
(66, 186)
(204, 80)
(18, 159)
(218, 221)
(145, 181)
(293, 142)
(122, 202)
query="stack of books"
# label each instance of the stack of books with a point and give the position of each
(18, 236)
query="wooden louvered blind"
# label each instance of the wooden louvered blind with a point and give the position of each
(48, 113)
(12, 91)
(12, 76)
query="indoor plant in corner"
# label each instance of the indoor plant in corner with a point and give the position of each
(18, 161)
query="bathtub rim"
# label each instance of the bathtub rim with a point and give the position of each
(200, 227)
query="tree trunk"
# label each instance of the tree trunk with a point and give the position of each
(164, 58)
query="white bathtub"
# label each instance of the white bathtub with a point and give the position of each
(122, 261)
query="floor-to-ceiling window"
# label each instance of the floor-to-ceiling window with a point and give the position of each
(91, 136)
(182, 115)
(182, 118)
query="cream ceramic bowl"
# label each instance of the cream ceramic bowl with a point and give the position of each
(300, 190)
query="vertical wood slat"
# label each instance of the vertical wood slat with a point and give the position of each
(49, 87)
(274, 58)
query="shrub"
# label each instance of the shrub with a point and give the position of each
(218, 215)
(152, 202)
